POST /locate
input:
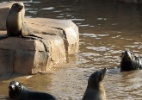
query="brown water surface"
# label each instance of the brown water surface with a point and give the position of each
(106, 29)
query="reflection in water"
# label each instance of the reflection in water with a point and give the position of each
(106, 29)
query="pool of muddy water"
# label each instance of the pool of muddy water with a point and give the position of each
(106, 29)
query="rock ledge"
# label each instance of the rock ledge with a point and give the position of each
(28, 56)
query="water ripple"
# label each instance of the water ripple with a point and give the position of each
(100, 48)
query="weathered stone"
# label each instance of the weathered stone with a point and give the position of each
(28, 56)
(6, 61)
(63, 28)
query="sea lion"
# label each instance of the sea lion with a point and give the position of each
(130, 62)
(15, 24)
(95, 89)
(19, 92)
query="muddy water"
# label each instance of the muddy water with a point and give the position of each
(106, 29)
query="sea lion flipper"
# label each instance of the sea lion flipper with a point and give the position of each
(29, 37)
(35, 36)
(26, 31)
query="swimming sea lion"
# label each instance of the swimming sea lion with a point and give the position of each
(130, 62)
(95, 89)
(19, 92)
(15, 24)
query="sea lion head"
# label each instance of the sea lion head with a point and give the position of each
(15, 89)
(128, 58)
(17, 7)
(96, 78)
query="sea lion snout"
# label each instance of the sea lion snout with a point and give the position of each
(103, 72)
(98, 75)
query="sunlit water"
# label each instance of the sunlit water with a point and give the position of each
(106, 29)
